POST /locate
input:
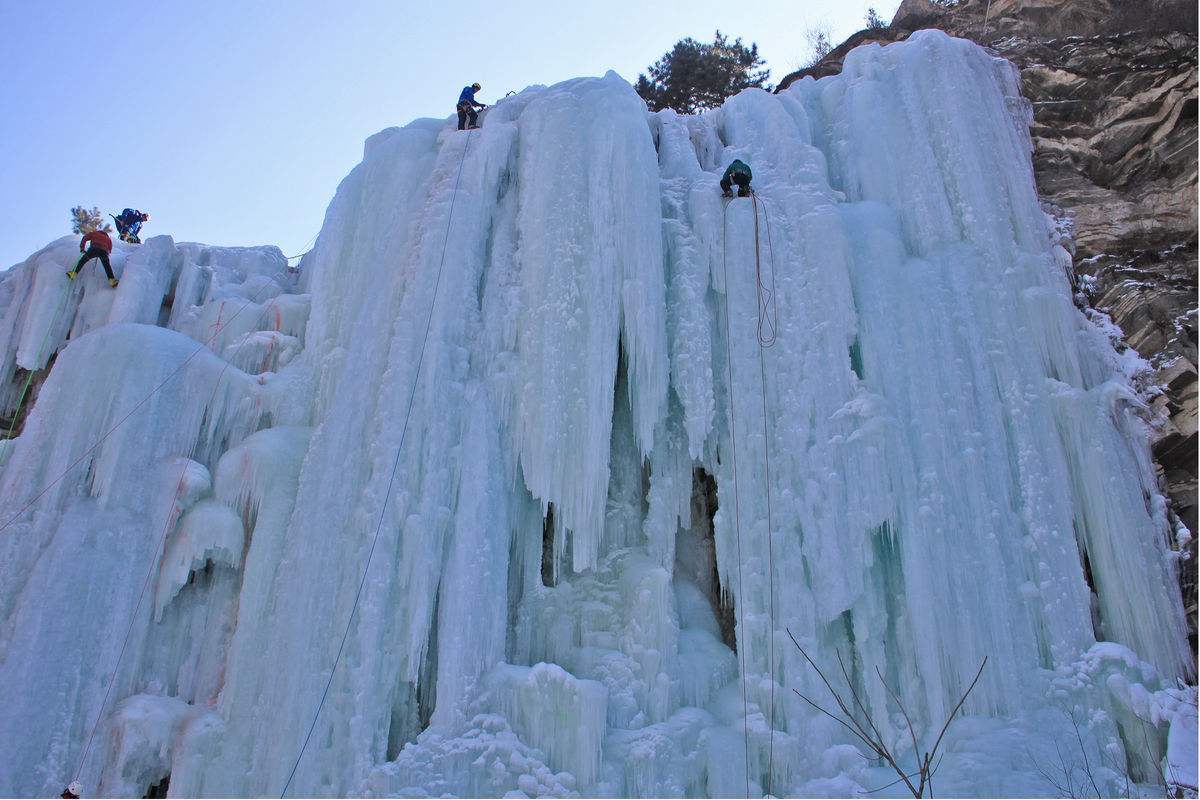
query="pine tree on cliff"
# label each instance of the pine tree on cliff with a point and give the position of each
(86, 220)
(695, 76)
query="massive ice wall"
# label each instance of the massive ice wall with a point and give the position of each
(576, 582)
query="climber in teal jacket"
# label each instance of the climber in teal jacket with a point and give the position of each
(738, 172)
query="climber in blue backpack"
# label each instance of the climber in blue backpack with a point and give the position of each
(129, 224)
(467, 108)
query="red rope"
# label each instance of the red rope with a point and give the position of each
(768, 311)
(767, 332)
(769, 305)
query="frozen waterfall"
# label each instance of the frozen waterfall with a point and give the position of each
(574, 591)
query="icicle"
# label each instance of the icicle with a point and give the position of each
(473, 493)
(555, 712)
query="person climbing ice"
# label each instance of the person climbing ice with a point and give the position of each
(74, 790)
(99, 245)
(738, 172)
(129, 224)
(468, 114)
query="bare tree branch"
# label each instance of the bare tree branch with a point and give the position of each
(857, 700)
(895, 697)
(1087, 766)
(857, 729)
(961, 700)
(835, 719)
(927, 763)
(890, 785)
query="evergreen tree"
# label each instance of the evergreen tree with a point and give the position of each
(874, 22)
(86, 220)
(695, 76)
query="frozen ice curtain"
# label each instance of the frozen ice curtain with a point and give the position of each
(566, 596)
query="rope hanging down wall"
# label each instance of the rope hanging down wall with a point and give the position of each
(391, 478)
(767, 334)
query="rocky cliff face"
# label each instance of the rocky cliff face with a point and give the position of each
(1113, 88)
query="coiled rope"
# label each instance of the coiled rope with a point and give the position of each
(768, 313)
(768, 310)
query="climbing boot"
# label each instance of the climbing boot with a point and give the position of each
(113, 282)
(72, 274)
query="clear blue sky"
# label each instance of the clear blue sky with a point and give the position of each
(232, 121)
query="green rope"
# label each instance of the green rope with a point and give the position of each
(38, 357)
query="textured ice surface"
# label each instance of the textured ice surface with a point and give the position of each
(573, 590)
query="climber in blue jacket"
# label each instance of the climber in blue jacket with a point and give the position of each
(129, 224)
(467, 105)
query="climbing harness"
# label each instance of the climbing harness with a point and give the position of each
(391, 478)
(154, 556)
(37, 359)
(767, 332)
